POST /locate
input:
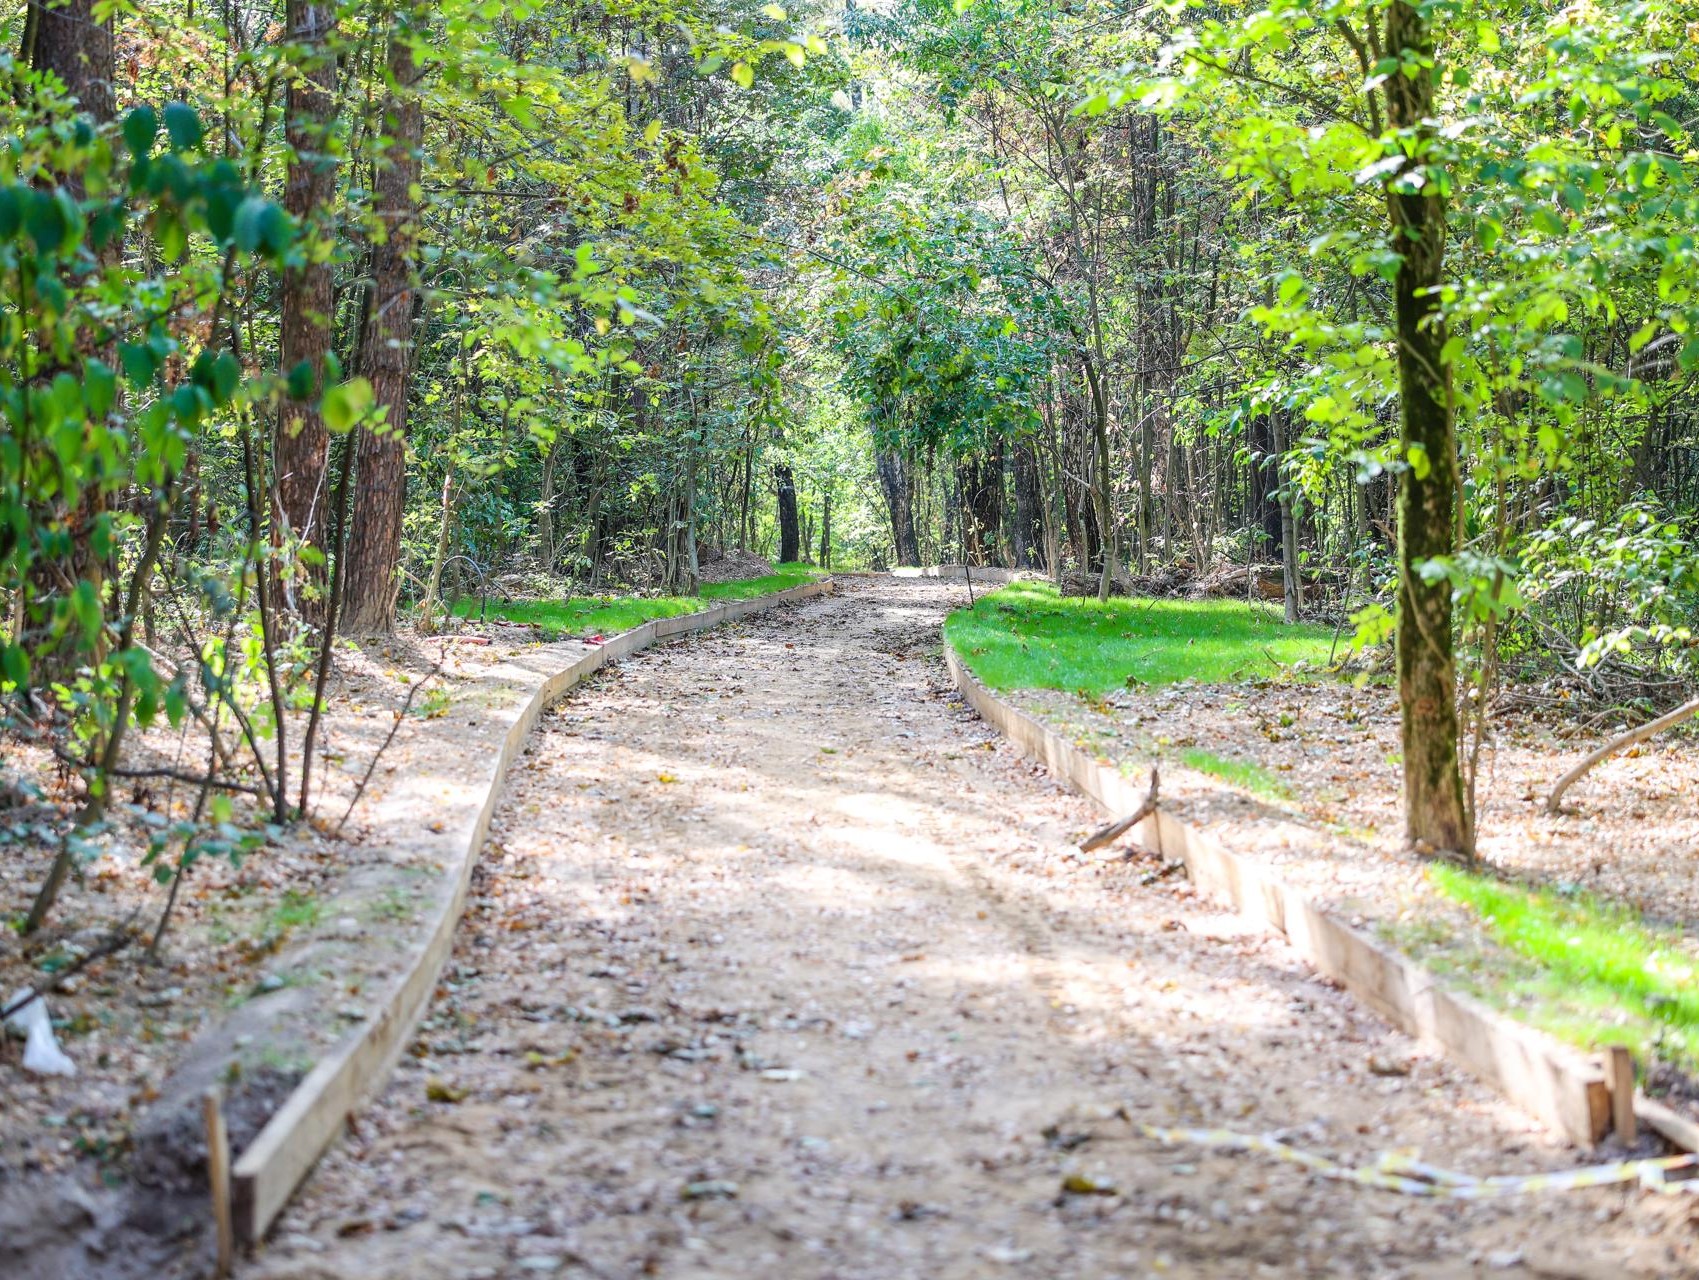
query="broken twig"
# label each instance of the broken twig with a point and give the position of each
(1115, 830)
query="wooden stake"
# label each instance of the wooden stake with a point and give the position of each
(1619, 1073)
(218, 1178)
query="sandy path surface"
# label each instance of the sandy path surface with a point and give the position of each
(780, 967)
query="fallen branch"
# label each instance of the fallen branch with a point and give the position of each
(1115, 830)
(1686, 711)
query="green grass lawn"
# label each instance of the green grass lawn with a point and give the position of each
(1025, 636)
(609, 615)
(1588, 971)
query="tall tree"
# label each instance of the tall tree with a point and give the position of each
(386, 352)
(301, 444)
(1434, 811)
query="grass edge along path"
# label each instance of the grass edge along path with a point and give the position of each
(1025, 636)
(610, 615)
(1587, 971)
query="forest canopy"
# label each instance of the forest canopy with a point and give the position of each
(319, 317)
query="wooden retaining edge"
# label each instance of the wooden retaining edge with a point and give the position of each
(1561, 1087)
(283, 1153)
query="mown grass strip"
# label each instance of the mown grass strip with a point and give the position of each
(1025, 636)
(609, 615)
(1589, 971)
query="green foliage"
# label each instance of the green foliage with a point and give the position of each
(1592, 971)
(610, 615)
(1026, 637)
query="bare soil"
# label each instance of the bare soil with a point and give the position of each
(266, 963)
(781, 965)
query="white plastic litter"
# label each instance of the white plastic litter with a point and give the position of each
(42, 1053)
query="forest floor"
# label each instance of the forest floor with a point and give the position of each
(269, 960)
(1312, 785)
(780, 964)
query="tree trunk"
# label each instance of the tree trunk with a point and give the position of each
(1435, 815)
(826, 529)
(897, 485)
(64, 38)
(1289, 586)
(386, 355)
(301, 446)
(1029, 510)
(790, 538)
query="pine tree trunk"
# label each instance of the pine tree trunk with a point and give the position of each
(386, 357)
(1435, 815)
(64, 38)
(302, 445)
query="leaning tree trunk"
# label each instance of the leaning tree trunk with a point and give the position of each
(386, 359)
(790, 533)
(1435, 815)
(302, 445)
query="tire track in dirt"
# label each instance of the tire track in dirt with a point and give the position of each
(781, 966)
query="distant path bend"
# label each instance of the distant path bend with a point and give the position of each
(780, 967)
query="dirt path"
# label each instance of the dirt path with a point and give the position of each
(780, 967)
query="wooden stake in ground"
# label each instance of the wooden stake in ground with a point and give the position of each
(1655, 727)
(218, 1178)
(1115, 830)
(1619, 1074)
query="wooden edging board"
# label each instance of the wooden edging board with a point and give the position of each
(297, 1134)
(1559, 1086)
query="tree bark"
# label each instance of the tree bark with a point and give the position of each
(826, 529)
(895, 482)
(302, 445)
(386, 357)
(790, 538)
(1029, 509)
(1290, 590)
(66, 40)
(1435, 815)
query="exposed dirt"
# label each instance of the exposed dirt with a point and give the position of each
(1328, 752)
(780, 966)
(265, 964)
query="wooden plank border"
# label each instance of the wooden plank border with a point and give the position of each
(1561, 1087)
(283, 1152)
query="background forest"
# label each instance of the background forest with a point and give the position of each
(321, 316)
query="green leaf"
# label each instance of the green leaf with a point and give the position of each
(11, 209)
(139, 363)
(345, 403)
(141, 127)
(100, 389)
(743, 74)
(183, 126)
(248, 232)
